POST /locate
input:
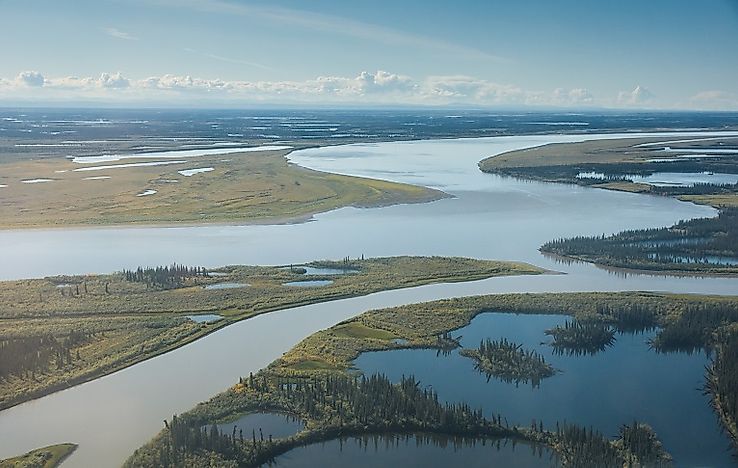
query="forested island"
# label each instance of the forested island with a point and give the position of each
(508, 362)
(316, 382)
(702, 246)
(59, 331)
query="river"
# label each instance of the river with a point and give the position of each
(488, 217)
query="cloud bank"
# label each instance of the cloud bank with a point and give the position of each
(366, 88)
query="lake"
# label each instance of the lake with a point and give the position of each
(626, 382)
(379, 451)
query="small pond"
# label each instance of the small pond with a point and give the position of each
(278, 425)
(308, 283)
(707, 259)
(416, 450)
(226, 286)
(668, 179)
(628, 381)
(327, 271)
(205, 318)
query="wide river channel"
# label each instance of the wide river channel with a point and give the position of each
(488, 217)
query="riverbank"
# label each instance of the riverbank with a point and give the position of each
(317, 365)
(607, 164)
(46, 457)
(78, 328)
(255, 187)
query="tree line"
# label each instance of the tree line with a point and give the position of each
(26, 356)
(165, 277)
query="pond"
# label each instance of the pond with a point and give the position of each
(205, 318)
(225, 285)
(626, 382)
(327, 271)
(309, 283)
(277, 425)
(668, 179)
(416, 450)
(706, 259)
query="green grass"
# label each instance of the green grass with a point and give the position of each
(331, 353)
(46, 457)
(358, 330)
(132, 323)
(245, 187)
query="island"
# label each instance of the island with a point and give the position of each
(250, 187)
(46, 457)
(59, 331)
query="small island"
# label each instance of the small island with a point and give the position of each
(508, 362)
(46, 457)
(580, 338)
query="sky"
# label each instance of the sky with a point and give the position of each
(632, 54)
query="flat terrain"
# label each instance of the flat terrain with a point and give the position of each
(60, 331)
(249, 187)
(46, 457)
(562, 162)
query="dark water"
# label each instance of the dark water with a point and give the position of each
(626, 382)
(416, 451)
(277, 425)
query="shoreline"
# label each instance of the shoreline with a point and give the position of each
(227, 321)
(309, 216)
(636, 271)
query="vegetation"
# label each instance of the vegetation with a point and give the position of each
(636, 445)
(508, 362)
(246, 187)
(316, 382)
(579, 338)
(47, 457)
(722, 382)
(173, 276)
(616, 159)
(60, 331)
(702, 246)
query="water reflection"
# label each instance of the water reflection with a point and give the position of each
(627, 382)
(417, 450)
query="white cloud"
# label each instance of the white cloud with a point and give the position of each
(118, 34)
(113, 81)
(33, 79)
(639, 97)
(365, 88)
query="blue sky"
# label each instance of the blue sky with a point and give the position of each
(656, 54)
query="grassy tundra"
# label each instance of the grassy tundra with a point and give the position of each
(256, 187)
(60, 331)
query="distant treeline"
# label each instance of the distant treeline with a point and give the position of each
(26, 356)
(166, 276)
(688, 245)
(617, 172)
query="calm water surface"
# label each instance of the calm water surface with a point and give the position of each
(416, 451)
(626, 382)
(277, 425)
